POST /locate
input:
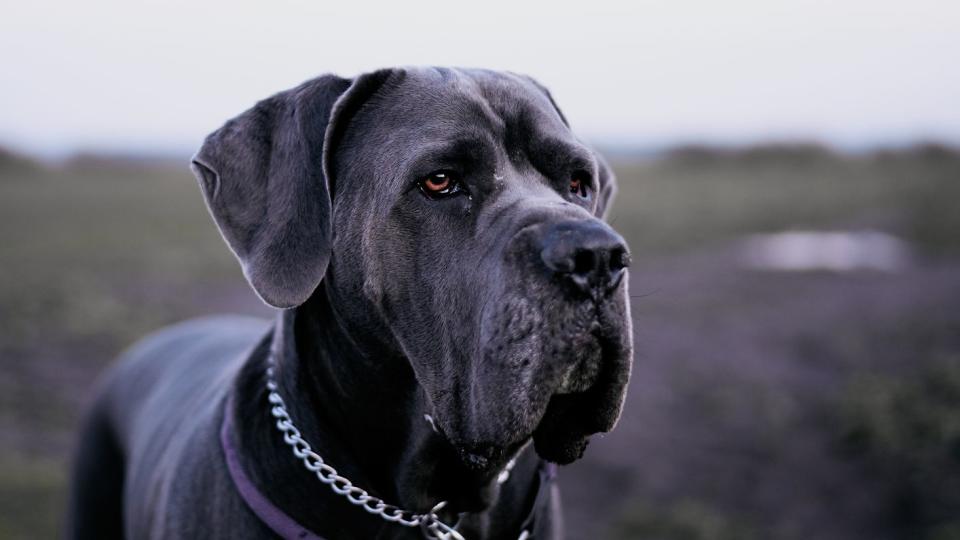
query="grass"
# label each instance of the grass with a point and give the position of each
(906, 429)
(681, 520)
(90, 246)
(31, 498)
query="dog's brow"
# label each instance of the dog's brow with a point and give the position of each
(581, 161)
(564, 154)
(464, 151)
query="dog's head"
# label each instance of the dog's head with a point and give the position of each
(454, 214)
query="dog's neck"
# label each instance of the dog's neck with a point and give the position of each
(359, 405)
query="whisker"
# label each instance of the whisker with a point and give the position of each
(646, 294)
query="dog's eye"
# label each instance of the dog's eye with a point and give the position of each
(579, 185)
(439, 184)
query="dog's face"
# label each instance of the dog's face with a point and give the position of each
(448, 186)
(461, 220)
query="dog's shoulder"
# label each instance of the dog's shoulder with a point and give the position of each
(183, 365)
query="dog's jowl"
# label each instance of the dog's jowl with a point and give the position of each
(453, 323)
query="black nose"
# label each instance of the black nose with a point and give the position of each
(588, 254)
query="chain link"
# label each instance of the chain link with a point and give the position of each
(430, 523)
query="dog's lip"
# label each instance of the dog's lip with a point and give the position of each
(583, 374)
(488, 458)
(569, 420)
(491, 458)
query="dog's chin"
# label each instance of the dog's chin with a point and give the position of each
(477, 486)
(558, 438)
(489, 461)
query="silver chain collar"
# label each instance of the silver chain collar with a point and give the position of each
(431, 525)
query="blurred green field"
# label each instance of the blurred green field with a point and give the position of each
(96, 252)
(697, 196)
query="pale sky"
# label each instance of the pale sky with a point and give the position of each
(157, 76)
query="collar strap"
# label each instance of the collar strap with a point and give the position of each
(287, 528)
(277, 520)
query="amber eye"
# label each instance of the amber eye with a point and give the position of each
(578, 186)
(439, 184)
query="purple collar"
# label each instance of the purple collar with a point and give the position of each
(287, 528)
(279, 522)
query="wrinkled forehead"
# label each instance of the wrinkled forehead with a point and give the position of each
(430, 109)
(500, 103)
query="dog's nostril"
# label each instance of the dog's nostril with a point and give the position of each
(584, 262)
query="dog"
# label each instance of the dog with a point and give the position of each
(453, 321)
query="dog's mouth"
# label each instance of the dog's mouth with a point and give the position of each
(586, 399)
(590, 404)
(583, 400)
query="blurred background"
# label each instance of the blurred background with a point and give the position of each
(789, 186)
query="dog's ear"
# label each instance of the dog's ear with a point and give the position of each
(607, 186)
(264, 176)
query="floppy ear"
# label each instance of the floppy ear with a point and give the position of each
(264, 178)
(607, 186)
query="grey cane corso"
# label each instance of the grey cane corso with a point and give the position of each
(449, 294)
